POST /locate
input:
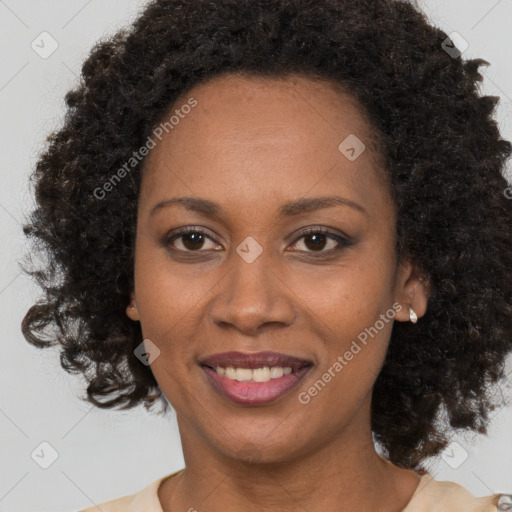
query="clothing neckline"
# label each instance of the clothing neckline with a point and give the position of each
(425, 478)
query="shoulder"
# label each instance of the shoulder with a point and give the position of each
(144, 500)
(439, 496)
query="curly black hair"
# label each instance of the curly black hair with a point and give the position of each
(440, 147)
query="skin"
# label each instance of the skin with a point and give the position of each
(250, 145)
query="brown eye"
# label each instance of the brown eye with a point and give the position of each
(317, 239)
(189, 240)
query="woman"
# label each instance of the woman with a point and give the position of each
(343, 180)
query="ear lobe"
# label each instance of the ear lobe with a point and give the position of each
(412, 292)
(131, 310)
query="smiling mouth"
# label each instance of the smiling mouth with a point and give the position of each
(254, 378)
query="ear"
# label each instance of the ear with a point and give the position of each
(131, 310)
(411, 291)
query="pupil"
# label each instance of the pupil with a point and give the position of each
(319, 241)
(197, 240)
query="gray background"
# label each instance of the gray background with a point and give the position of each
(106, 454)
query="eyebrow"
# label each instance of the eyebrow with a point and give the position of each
(289, 209)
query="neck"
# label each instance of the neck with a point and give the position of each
(340, 475)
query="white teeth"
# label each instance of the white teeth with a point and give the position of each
(231, 373)
(263, 374)
(276, 372)
(243, 374)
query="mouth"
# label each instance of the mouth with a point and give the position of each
(254, 378)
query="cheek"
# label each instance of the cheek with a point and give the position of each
(165, 296)
(355, 348)
(352, 296)
(354, 315)
(167, 301)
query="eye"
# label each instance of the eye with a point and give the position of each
(316, 239)
(191, 239)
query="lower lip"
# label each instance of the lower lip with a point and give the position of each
(254, 393)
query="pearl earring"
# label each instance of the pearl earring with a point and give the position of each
(412, 315)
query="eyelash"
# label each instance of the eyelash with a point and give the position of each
(343, 241)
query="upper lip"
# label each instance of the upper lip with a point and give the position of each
(254, 360)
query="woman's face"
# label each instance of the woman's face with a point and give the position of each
(247, 280)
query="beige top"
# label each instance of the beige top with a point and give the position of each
(430, 496)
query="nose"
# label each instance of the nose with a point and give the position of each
(252, 295)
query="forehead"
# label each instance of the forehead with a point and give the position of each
(234, 107)
(256, 136)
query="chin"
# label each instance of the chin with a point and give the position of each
(262, 451)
